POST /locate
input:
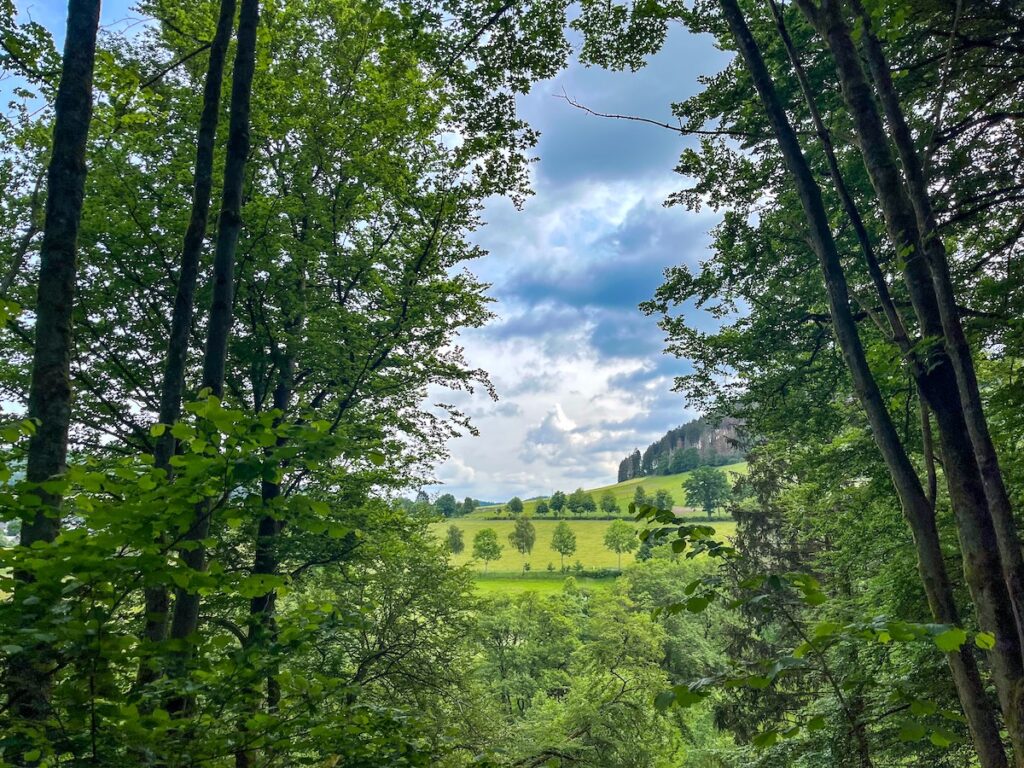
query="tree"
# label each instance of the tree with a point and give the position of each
(580, 502)
(486, 546)
(563, 541)
(608, 503)
(515, 505)
(621, 537)
(542, 507)
(185, 616)
(454, 541)
(468, 505)
(557, 502)
(523, 536)
(182, 315)
(663, 500)
(49, 399)
(639, 497)
(446, 505)
(707, 487)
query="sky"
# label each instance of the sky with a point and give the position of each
(579, 370)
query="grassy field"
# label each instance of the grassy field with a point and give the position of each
(590, 549)
(623, 492)
(543, 585)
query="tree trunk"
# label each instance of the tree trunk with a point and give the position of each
(266, 560)
(173, 385)
(916, 508)
(956, 342)
(997, 608)
(185, 619)
(49, 403)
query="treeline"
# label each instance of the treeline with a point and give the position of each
(445, 505)
(697, 443)
(619, 537)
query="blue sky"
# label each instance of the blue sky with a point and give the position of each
(579, 370)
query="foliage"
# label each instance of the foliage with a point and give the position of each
(454, 540)
(708, 487)
(486, 546)
(523, 535)
(621, 537)
(446, 505)
(563, 541)
(608, 503)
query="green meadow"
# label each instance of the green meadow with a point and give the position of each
(590, 549)
(623, 492)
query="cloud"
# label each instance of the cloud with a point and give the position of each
(580, 370)
(456, 472)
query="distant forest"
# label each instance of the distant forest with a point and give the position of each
(696, 443)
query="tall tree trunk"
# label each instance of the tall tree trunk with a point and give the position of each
(185, 619)
(49, 402)
(173, 385)
(997, 608)
(266, 561)
(916, 507)
(956, 341)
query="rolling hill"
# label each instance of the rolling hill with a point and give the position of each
(623, 493)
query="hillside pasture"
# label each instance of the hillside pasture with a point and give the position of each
(623, 493)
(590, 549)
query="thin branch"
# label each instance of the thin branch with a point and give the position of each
(657, 123)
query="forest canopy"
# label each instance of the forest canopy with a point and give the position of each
(237, 256)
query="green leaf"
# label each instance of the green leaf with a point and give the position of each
(766, 739)
(697, 604)
(942, 738)
(664, 700)
(985, 640)
(951, 639)
(816, 723)
(912, 732)
(157, 430)
(923, 708)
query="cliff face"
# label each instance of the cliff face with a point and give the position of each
(683, 448)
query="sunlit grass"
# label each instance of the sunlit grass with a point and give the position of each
(590, 549)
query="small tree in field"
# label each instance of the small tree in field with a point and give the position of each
(621, 537)
(708, 488)
(557, 502)
(580, 502)
(523, 536)
(468, 505)
(486, 546)
(454, 541)
(663, 500)
(639, 496)
(542, 507)
(563, 541)
(515, 505)
(608, 503)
